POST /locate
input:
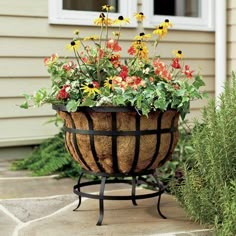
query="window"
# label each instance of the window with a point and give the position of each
(89, 5)
(83, 12)
(186, 14)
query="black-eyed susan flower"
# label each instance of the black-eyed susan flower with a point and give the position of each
(103, 20)
(108, 82)
(140, 48)
(121, 20)
(161, 31)
(139, 16)
(91, 88)
(74, 45)
(142, 36)
(116, 33)
(178, 54)
(107, 8)
(76, 32)
(167, 23)
(91, 38)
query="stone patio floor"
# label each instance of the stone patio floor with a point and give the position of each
(43, 206)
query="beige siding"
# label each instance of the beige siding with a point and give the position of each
(26, 38)
(231, 37)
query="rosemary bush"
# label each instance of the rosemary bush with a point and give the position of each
(208, 192)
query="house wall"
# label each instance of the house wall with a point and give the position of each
(231, 37)
(26, 38)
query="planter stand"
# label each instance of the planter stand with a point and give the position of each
(134, 179)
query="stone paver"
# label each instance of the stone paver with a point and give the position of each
(120, 218)
(5, 170)
(33, 208)
(39, 206)
(7, 223)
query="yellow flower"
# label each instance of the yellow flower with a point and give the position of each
(74, 45)
(103, 20)
(107, 7)
(91, 88)
(139, 16)
(161, 31)
(117, 34)
(121, 20)
(108, 82)
(76, 32)
(178, 53)
(142, 36)
(141, 49)
(93, 37)
(166, 24)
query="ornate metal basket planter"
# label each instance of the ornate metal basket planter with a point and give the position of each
(118, 142)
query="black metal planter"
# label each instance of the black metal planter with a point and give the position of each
(117, 142)
(134, 181)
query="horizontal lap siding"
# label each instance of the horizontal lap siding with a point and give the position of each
(231, 37)
(26, 38)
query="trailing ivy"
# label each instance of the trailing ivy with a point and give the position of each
(208, 192)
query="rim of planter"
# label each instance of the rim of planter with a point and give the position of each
(101, 108)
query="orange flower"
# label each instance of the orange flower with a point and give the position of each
(113, 45)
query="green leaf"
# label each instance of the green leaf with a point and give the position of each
(119, 100)
(72, 105)
(26, 96)
(24, 105)
(160, 103)
(88, 103)
(198, 82)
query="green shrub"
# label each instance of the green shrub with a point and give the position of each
(208, 192)
(50, 157)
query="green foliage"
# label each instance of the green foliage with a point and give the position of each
(97, 76)
(49, 158)
(173, 169)
(208, 192)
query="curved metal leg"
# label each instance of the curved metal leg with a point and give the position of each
(78, 187)
(134, 190)
(161, 188)
(101, 200)
(158, 207)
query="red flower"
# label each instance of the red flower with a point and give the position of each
(113, 45)
(96, 84)
(137, 80)
(115, 60)
(175, 63)
(131, 50)
(70, 65)
(188, 72)
(62, 94)
(176, 86)
(49, 60)
(101, 53)
(124, 72)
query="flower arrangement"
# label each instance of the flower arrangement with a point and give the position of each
(99, 77)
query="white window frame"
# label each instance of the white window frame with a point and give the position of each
(58, 15)
(204, 23)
